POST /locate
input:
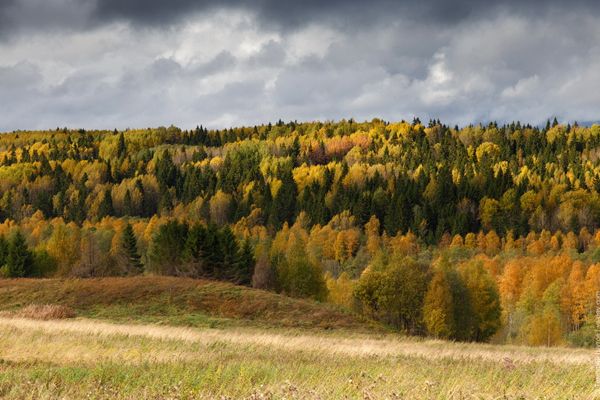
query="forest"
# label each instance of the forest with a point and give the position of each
(475, 233)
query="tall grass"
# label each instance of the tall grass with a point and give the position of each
(75, 359)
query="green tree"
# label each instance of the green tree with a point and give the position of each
(106, 205)
(121, 146)
(19, 260)
(283, 208)
(130, 251)
(298, 277)
(3, 250)
(247, 263)
(166, 249)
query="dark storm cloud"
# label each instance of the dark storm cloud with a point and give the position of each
(23, 15)
(293, 13)
(137, 63)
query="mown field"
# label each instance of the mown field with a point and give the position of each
(199, 339)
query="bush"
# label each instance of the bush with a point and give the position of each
(44, 312)
(584, 337)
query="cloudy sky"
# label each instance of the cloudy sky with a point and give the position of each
(140, 63)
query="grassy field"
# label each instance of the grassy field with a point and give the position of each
(153, 354)
(177, 301)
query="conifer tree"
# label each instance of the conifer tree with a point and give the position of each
(19, 259)
(130, 250)
(121, 147)
(3, 250)
(247, 263)
(106, 205)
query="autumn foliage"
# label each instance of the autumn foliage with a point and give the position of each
(476, 233)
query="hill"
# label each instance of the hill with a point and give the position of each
(176, 301)
(258, 352)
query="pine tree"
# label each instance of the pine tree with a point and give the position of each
(129, 246)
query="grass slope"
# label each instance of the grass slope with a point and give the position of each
(83, 358)
(176, 301)
(261, 349)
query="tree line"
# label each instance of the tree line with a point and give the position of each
(348, 212)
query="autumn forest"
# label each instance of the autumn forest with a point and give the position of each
(475, 233)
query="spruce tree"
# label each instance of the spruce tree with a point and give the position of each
(230, 269)
(283, 208)
(121, 147)
(128, 204)
(3, 250)
(106, 205)
(19, 259)
(247, 263)
(129, 245)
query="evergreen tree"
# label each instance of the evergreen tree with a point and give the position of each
(166, 172)
(3, 250)
(195, 252)
(167, 246)
(121, 147)
(128, 204)
(247, 263)
(283, 208)
(106, 205)
(129, 246)
(231, 266)
(19, 260)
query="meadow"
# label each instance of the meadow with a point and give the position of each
(212, 352)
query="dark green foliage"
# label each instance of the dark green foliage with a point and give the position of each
(166, 249)
(247, 263)
(105, 208)
(166, 172)
(129, 245)
(3, 250)
(44, 265)
(19, 259)
(200, 251)
(283, 208)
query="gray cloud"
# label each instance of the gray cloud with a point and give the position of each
(23, 15)
(109, 63)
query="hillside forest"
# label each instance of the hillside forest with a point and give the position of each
(475, 233)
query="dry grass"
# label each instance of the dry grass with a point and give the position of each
(177, 301)
(357, 346)
(261, 349)
(73, 359)
(41, 312)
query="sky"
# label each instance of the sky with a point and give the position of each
(145, 63)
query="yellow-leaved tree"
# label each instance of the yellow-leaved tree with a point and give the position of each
(438, 310)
